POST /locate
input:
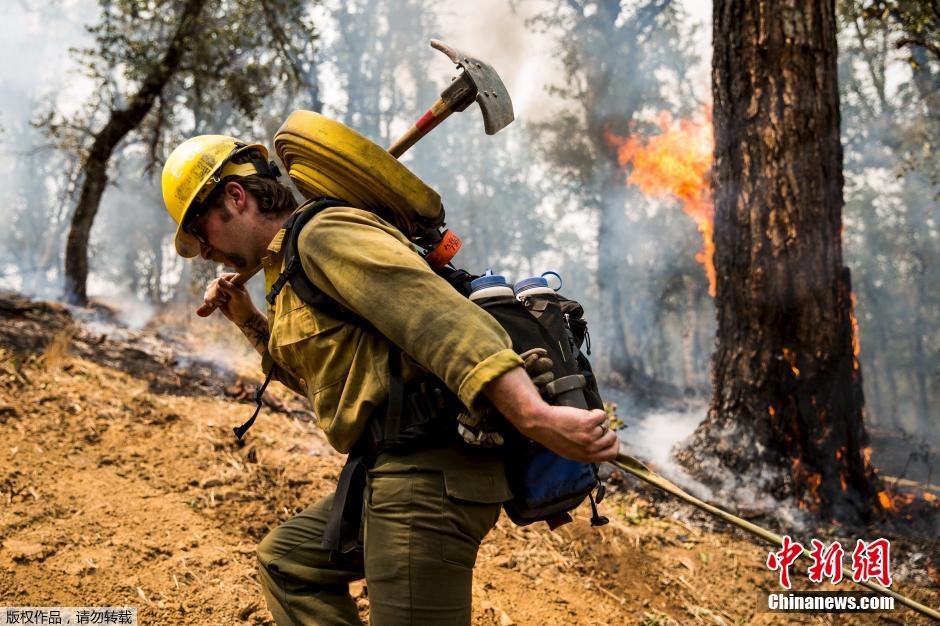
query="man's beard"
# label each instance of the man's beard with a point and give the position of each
(236, 261)
(229, 259)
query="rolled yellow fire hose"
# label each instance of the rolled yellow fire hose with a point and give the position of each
(326, 158)
(635, 468)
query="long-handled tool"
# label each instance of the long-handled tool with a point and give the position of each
(634, 467)
(478, 82)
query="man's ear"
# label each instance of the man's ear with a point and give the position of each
(238, 194)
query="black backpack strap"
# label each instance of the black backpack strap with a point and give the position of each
(341, 535)
(458, 279)
(396, 395)
(259, 393)
(293, 271)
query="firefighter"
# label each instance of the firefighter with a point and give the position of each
(427, 509)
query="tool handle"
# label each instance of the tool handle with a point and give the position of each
(431, 118)
(206, 309)
(634, 467)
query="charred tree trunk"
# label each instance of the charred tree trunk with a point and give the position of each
(787, 388)
(119, 124)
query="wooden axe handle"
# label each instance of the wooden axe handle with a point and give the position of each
(431, 118)
(205, 310)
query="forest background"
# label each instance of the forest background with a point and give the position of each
(555, 191)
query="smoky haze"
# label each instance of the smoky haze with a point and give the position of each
(536, 197)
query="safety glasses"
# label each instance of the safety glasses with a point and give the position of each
(196, 227)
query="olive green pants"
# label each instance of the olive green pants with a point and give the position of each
(420, 548)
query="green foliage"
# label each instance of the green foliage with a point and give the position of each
(622, 62)
(242, 52)
(163, 70)
(889, 35)
(917, 21)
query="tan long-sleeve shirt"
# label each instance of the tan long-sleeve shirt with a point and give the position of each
(371, 268)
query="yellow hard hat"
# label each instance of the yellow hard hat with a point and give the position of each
(193, 170)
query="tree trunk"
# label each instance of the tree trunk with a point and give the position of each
(788, 390)
(922, 361)
(622, 365)
(689, 335)
(119, 124)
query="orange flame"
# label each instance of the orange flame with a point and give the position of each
(676, 164)
(790, 357)
(885, 500)
(856, 347)
(894, 501)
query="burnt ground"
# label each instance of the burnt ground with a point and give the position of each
(121, 484)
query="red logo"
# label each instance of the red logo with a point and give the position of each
(784, 558)
(872, 560)
(827, 563)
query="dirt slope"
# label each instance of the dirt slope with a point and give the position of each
(112, 493)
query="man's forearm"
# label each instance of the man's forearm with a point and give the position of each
(255, 329)
(516, 398)
(571, 432)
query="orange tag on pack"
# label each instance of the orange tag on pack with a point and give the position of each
(444, 251)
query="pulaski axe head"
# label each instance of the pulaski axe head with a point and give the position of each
(478, 82)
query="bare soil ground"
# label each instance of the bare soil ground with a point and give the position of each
(119, 486)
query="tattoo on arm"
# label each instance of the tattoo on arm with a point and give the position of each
(255, 329)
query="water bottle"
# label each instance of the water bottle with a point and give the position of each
(489, 286)
(542, 303)
(536, 286)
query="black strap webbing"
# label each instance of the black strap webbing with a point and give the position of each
(396, 394)
(341, 534)
(241, 430)
(294, 272)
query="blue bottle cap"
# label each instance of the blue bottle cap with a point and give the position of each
(493, 280)
(530, 283)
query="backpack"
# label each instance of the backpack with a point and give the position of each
(545, 486)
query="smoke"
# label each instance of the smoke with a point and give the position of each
(495, 31)
(651, 437)
(32, 198)
(517, 212)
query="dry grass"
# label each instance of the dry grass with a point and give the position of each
(57, 352)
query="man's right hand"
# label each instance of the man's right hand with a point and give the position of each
(233, 300)
(575, 433)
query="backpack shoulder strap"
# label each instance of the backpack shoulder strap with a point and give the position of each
(458, 279)
(294, 273)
